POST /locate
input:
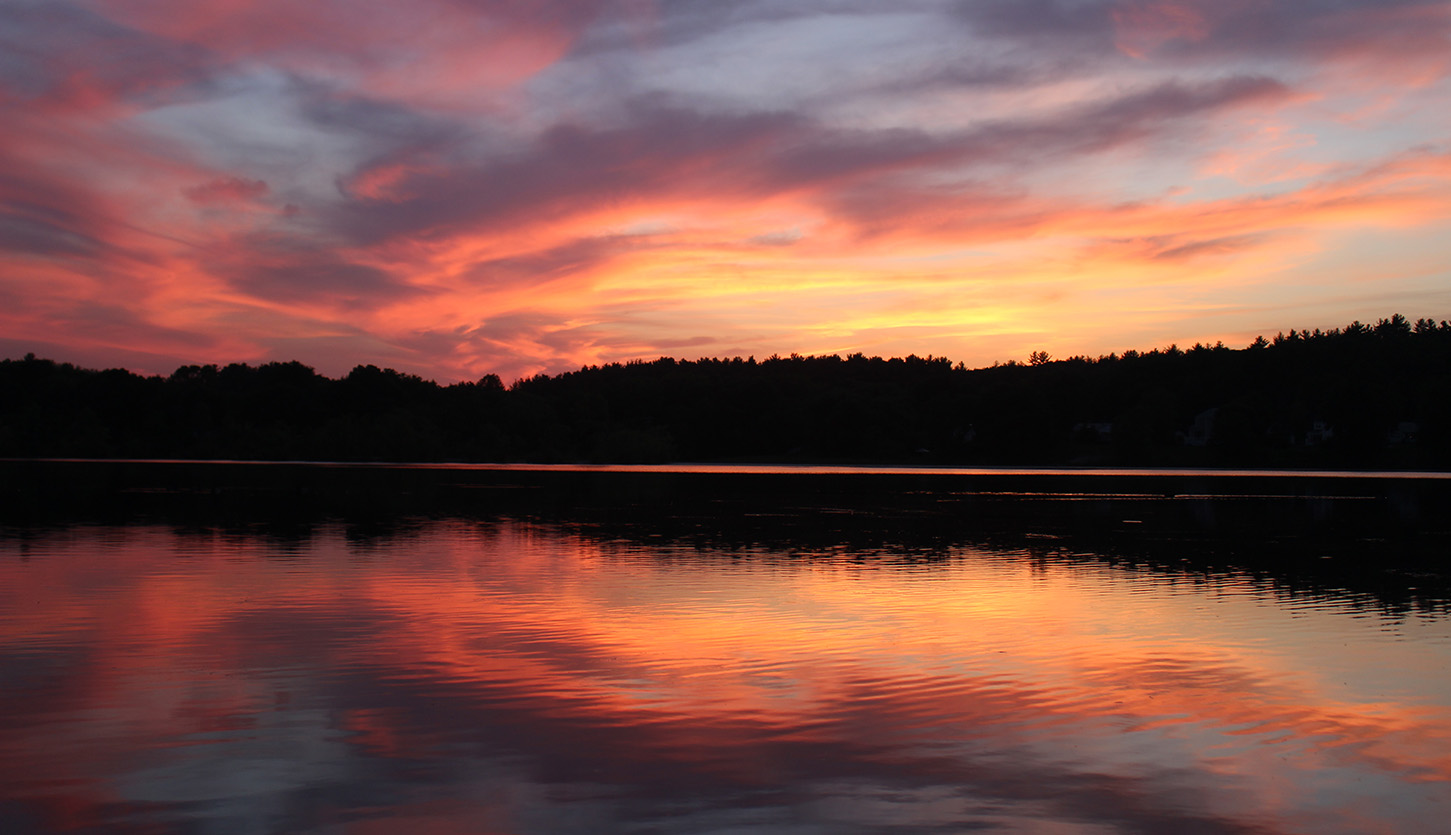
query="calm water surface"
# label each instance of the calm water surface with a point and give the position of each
(528, 675)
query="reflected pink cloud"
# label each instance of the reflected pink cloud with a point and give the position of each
(523, 639)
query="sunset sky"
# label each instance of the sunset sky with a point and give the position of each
(458, 187)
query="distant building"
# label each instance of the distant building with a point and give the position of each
(1093, 432)
(1319, 433)
(1202, 429)
(1404, 433)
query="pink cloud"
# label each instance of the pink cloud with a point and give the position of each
(1144, 27)
(227, 190)
(430, 49)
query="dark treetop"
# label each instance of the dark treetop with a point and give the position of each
(1358, 396)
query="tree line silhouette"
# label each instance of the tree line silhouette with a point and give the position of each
(1357, 396)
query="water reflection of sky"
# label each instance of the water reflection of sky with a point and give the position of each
(517, 678)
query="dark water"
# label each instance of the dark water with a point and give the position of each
(234, 649)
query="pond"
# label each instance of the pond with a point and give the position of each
(248, 649)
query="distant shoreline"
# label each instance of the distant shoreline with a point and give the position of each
(1359, 399)
(715, 468)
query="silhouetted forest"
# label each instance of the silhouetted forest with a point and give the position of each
(1357, 396)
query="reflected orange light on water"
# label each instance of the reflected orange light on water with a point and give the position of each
(623, 664)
